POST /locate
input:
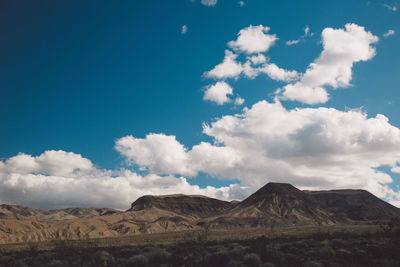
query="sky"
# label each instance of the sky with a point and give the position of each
(102, 102)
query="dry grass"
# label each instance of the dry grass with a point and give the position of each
(172, 238)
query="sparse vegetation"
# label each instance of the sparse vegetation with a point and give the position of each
(322, 248)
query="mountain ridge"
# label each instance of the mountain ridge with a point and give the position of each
(275, 204)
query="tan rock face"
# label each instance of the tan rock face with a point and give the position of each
(273, 205)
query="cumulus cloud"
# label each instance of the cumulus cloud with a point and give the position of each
(279, 74)
(241, 3)
(157, 153)
(257, 59)
(341, 49)
(50, 162)
(251, 68)
(389, 33)
(46, 184)
(209, 2)
(239, 101)
(229, 68)
(218, 93)
(184, 29)
(253, 39)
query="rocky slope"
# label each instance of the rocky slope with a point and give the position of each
(277, 204)
(22, 213)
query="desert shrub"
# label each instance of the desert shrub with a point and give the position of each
(128, 252)
(18, 263)
(271, 254)
(313, 264)
(56, 263)
(345, 256)
(268, 264)
(301, 245)
(252, 259)
(235, 263)
(337, 243)
(137, 261)
(374, 251)
(237, 250)
(103, 258)
(220, 258)
(326, 252)
(158, 255)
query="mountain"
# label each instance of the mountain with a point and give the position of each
(275, 204)
(357, 205)
(192, 206)
(21, 213)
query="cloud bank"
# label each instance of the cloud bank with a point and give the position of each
(59, 179)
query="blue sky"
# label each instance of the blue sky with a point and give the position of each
(80, 77)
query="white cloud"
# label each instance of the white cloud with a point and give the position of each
(257, 59)
(391, 8)
(209, 2)
(50, 162)
(218, 93)
(241, 3)
(395, 169)
(55, 188)
(292, 42)
(389, 33)
(229, 68)
(307, 30)
(253, 39)
(239, 101)
(184, 29)
(279, 74)
(158, 153)
(341, 49)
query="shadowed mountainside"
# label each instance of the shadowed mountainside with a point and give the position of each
(275, 204)
(358, 205)
(192, 206)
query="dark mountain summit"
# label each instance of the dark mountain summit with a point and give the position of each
(357, 205)
(196, 206)
(280, 203)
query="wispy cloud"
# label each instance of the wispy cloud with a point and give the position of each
(389, 33)
(392, 8)
(209, 2)
(241, 3)
(307, 33)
